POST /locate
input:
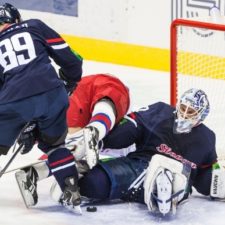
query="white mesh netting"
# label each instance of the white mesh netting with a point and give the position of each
(201, 64)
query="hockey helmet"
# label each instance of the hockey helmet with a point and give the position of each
(9, 14)
(191, 109)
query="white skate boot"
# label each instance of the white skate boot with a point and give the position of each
(27, 182)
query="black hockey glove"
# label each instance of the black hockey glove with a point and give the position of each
(28, 138)
(69, 84)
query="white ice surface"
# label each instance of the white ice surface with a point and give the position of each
(147, 87)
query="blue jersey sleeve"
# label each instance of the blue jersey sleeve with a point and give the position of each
(61, 53)
(123, 135)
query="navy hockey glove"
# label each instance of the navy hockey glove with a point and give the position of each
(28, 138)
(69, 84)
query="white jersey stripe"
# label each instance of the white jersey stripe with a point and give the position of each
(61, 46)
(63, 167)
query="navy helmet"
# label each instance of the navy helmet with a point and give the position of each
(9, 14)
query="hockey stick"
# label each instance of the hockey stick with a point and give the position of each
(15, 152)
(10, 160)
(43, 158)
(22, 167)
(70, 142)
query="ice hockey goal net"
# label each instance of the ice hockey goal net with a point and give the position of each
(198, 61)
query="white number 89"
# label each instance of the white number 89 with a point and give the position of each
(9, 51)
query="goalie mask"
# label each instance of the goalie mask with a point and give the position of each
(191, 110)
(9, 14)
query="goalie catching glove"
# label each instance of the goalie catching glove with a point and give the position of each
(165, 184)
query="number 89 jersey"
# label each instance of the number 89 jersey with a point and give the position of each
(25, 66)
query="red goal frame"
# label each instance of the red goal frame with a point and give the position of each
(173, 49)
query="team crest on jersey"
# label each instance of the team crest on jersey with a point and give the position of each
(165, 149)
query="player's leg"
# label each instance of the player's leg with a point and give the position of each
(27, 179)
(95, 184)
(13, 117)
(115, 179)
(110, 103)
(102, 120)
(53, 129)
(11, 125)
(98, 113)
(51, 120)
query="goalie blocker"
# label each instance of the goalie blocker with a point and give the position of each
(217, 189)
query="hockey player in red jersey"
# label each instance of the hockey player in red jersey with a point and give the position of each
(90, 91)
(97, 104)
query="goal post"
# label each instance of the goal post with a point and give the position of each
(198, 61)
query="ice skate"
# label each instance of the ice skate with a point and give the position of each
(27, 182)
(71, 198)
(91, 146)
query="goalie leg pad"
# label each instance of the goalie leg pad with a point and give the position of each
(161, 172)
(164, 190)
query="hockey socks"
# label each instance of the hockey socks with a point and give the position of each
(62, 165)
(103, 117)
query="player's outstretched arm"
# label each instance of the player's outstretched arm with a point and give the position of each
(123, 135)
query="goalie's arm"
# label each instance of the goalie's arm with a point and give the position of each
(126, 133)
(202, 181)
(211, 181)
(203, 177)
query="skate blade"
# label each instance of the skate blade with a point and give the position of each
(75, 209)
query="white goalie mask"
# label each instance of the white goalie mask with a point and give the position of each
(191, 110)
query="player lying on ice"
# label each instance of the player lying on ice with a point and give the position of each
(98, 103)
(174, 151)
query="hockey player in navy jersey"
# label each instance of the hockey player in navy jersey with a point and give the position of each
(32, 90)
(174, 151)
